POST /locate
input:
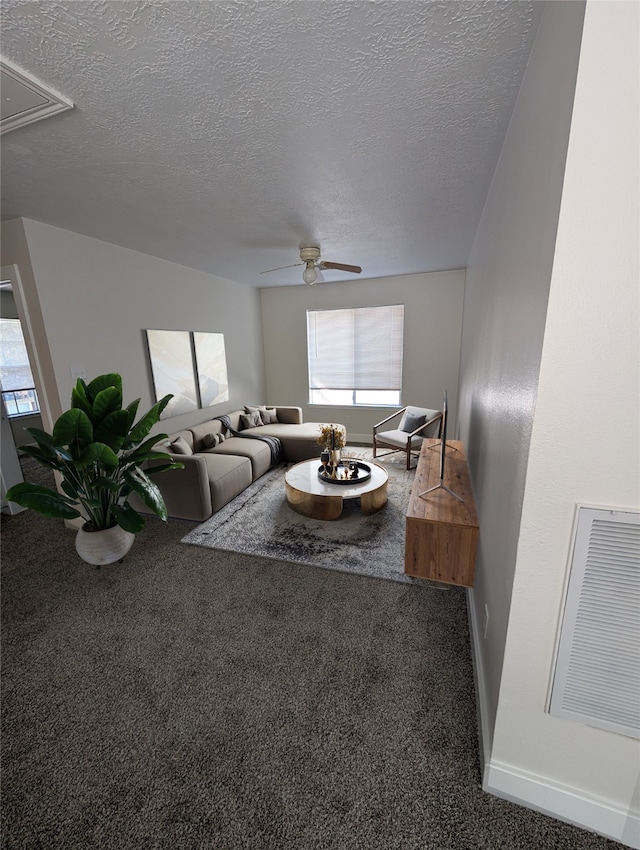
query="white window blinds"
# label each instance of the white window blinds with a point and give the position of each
(356, 349)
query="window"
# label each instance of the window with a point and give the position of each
(18, 390)
(355, 356)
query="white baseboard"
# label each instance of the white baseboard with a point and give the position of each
(534, 791)
(485, 732)
(565, 804)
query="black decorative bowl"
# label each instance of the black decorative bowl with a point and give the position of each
(364, 473)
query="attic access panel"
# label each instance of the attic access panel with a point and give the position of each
(25, 99)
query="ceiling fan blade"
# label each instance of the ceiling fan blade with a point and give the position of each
(292, 266)
(343, 267)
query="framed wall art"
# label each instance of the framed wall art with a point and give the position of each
(211, 366)
(171, 357)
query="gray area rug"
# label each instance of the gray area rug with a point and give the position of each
(260, 522)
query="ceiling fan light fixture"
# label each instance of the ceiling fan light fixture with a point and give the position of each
(309, 275)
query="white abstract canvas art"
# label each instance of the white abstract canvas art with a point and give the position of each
(172, 368)
(211, 364)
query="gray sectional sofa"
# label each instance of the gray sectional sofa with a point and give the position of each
(218, 464)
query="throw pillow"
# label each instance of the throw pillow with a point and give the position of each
(211, 440)
(221, 438)
(268, 415)
(180, 446)
(251, 420)
(411, 422)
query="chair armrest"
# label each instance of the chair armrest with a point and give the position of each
(388, 419)
(416, 433)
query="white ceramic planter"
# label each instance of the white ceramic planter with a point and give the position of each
(104, 547)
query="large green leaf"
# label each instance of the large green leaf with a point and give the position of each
(113, 429)
(41, 437)
(163, 467)
(43, 500)
(145, 450)
(106, 402)
(112, 379)
(79, 397)
(43, 456)
(72, 426)
(128, 518)
(97, 453)
(70, 488)
(141, 429)
(132, 409)
(104, 483)
(148, 491)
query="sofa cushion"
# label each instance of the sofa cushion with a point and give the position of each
(179, 446)
(228, 476)
(204, 430)
(257, 451)
(251, 420)
(397, 439)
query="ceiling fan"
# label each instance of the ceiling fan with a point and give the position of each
(313, 272)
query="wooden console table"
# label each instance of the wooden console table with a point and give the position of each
(442, 532)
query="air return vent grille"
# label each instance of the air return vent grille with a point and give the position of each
(597, 675)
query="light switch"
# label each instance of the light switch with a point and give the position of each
(78, 372)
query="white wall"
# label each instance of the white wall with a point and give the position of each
(433, 321)
(590, 364)
(96, 299)
(504, 317)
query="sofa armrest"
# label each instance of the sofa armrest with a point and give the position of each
(289, 415)
(186, 492)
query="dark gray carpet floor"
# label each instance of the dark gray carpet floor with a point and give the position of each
(191, 698)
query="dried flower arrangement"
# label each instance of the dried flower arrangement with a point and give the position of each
(332, 437)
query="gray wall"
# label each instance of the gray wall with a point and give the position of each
(433, 323)
(96, 299)
(505, 307)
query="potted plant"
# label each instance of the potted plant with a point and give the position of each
(99, 449)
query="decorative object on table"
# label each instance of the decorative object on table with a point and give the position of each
(324, 458)
(99, 452)
(332, 437)
(351, 472)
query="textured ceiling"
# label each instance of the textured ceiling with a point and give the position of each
(226, 135)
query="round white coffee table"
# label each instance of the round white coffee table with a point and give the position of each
(308, 495)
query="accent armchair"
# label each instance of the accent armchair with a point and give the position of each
(416, 424)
